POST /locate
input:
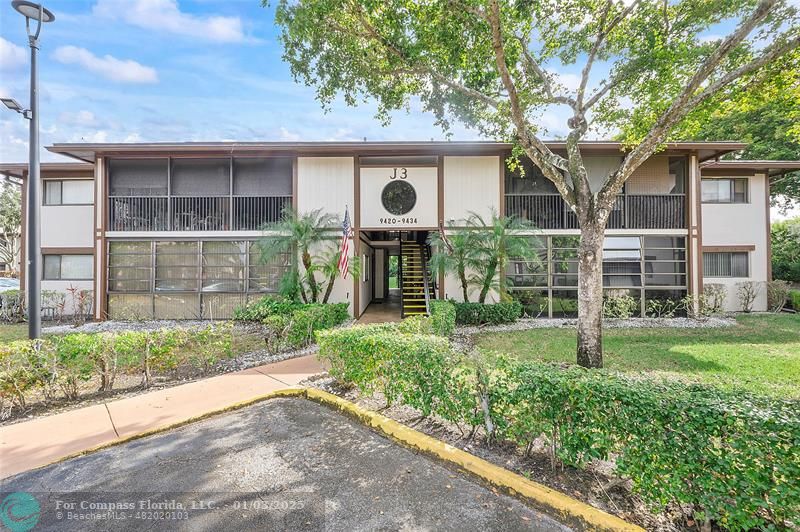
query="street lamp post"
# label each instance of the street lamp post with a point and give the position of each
(33, 277)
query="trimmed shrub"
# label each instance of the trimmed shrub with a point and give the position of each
(487, 313)
(747, 291)
(733, 458)
(777, 294)
(443, 317)
(296, 328)
(265, 307)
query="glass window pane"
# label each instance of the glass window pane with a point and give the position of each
(565, 303)
(266, 276)
(664, 242)
(726, 264)
(177, 266)
(223, 266)
(52, 266)
(740, 190)
(77, 192)
(77, 267)
(52, 192)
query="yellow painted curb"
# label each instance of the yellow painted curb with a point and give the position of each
(555, 503)
(572, 511)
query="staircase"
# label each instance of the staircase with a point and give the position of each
(415, 282)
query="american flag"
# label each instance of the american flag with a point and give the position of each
(346, 231)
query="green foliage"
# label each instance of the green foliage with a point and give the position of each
(10, 224)
(786, 249)
(661, 308)
(454, 255)
(296, 328)
(265, 307)
(794, 298)
(443, 317)
(730, 456)
(65, 362)
(619, 304)
(487, 313)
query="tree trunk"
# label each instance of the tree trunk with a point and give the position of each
(590, 297)
(491, 269)
(462, 276)
(312, 282)
(329, 288)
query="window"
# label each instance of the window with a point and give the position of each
(68, 267)
(69, 192)
(726, 264)
(733, 190)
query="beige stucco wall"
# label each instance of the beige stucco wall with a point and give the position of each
(67, 226)
(64, 287)
(471, 184)
(741, 224)
(375, 216)
(326, 183)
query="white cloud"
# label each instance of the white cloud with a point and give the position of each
(80, 118)
(11, 55)
(165, 15)
(121, 70)
(288, 136)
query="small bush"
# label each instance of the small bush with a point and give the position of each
(794, 299)
(747, 291)
(619, 304)
(443, 317)
(661, 308)
(487, 313)
(777, 294)
(714, 298)
(296, 328)
(12, 306)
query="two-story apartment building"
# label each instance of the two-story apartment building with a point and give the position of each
(168, 230)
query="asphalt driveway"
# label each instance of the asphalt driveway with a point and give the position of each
(283, 464)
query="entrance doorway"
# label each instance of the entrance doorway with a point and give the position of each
(402, 284)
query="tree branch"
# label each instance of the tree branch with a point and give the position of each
(680, 105)
(603, 32)
(548, 162)
(534, 70)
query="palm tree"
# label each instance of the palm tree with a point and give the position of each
(454, 254)
(495, 242)
(301, 232)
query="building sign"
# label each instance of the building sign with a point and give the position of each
(399, 197)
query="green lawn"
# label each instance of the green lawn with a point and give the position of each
(761, 353)
(13, 331)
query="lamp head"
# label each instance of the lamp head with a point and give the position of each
(32, 10)
(12, 104)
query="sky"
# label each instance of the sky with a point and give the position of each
(175, 70)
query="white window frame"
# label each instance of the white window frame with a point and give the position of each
(49, 182)
(731, 181)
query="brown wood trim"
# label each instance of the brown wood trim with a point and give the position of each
(769, 224)
(721, 172)
(699, 207)
(68, 251)
(440, 190)
(723, 249)
(356, 233)
(398, 165)
(102, 286)
(66, 177)
(502, 205)
(23, 242)
(294, 181)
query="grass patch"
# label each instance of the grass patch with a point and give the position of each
(10, 332)
(760, 354)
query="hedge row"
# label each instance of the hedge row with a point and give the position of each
(443, 317)
(794, 298)
(491, 314)
(734, 459)
(61, 363)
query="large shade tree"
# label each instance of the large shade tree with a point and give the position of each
(643, 66)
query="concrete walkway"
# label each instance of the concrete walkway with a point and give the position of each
(30, 444)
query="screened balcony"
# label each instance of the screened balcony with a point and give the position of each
(653, 198)
(225, 194)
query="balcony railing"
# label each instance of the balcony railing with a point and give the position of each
(194, 213)
(652, 211)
